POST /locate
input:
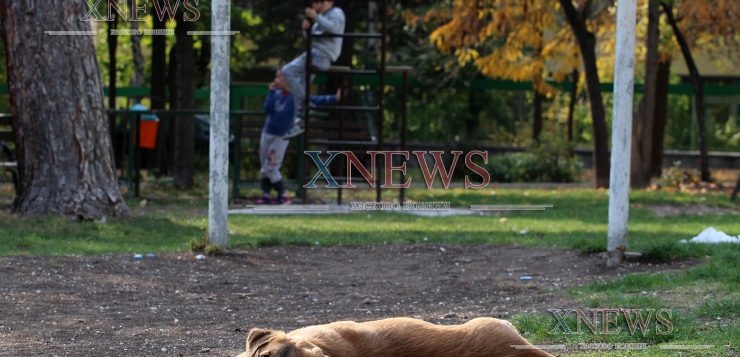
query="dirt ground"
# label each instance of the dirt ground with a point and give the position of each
(173, 305)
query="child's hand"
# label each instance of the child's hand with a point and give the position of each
(273, 86)
(310, 13)
(339, 95)
(306, 24)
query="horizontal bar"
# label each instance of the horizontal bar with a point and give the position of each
(351, 35)
(344, 142)
(348, 71)
(339, 108)
(183, 112)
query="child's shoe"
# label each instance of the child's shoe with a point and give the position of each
(298, 128)
(264, 200)
(284, 200)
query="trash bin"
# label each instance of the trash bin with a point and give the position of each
(148, 126)
(148, 133)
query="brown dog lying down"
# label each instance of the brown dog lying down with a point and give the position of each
(396, 337)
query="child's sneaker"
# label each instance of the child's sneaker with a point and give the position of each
(298, 128)
(264, 200)
(284, 200)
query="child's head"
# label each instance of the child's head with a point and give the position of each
(280, 80)
(322, 6)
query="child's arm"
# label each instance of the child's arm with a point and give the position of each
(321, 100)
(332, 22)
(269, 105)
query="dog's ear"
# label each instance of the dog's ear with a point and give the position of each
(258, 337)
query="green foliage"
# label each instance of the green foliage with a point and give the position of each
(546, 161)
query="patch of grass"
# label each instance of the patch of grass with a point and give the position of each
(727, 308)
(202, 245)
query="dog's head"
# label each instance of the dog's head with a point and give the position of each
(269, 343)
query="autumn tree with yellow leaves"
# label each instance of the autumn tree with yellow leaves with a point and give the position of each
(711, 26)
(525, 40)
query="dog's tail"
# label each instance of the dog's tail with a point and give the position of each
(520, 346)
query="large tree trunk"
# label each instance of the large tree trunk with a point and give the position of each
(642, 125)
(587, 45)
(158, 95)
(64, 155)
(661, 117)
(696, 82)
(184, 137)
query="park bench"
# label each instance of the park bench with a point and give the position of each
(8, 163)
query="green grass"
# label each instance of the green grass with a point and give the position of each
(703, 299)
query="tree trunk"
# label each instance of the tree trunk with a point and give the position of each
(661, 117)
(137, 80)
(587, 45)
(184, 137)
(572, 105)
(204, 59)
(642, 126)
(537, 115)
(158, 95)
(63, 143)
(696, 82)
(112, 85)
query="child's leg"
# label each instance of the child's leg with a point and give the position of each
(265, 183)
(275, 148)
(295, 77)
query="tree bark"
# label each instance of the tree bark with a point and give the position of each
(661, 117)
(587, 45)
(696, 82)
(537, 115)
(63, 142)
(137, 80)
(112, 73)
(158, 95)
(184, 137)
(642, 126)
(572, 104)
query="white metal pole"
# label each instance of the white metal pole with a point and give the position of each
(619, 179)
(218, 188)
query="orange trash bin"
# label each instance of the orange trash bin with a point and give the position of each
(148, 133)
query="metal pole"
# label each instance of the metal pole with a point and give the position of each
(381, 89)
(130, 157)
(218, 202)
(619, 181)
(236, 192)
(306, 113)
(404, 110)
(137, 155)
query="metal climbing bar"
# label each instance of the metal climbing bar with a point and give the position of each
(343, 108)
